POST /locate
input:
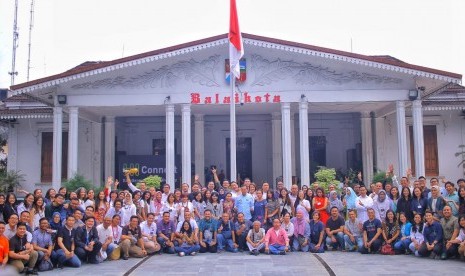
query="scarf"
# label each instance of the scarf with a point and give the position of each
(299, 224)
(351, 198)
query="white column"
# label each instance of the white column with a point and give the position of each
(418, 142)
(109, 146)
(186, 143)
(293, 143)
(96, 155)
(304, 150)
(286, 144)
(57, 146)
(276, 141)
(380, 144)
(401, 138)
(12, 148)
(367, 147)
(73, 141)
(199, 132)
(170, 154)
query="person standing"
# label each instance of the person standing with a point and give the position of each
(243, 203)
(362, 204)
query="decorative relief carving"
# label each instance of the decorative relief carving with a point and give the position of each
(200, 72)
(267, 72)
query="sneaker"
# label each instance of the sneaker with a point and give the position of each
(125, 258)
(181, 254)
(256, 253)
(31, 272)
(282, 253)
(193, 253)
(444, 256)
(432, 255)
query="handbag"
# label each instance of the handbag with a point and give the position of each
(387, 249)
(45, 265)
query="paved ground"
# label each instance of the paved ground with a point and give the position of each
(265, 265)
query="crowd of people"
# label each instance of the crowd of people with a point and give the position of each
(67, 228)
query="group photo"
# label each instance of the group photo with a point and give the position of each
(232, 137)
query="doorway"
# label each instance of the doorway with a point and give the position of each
(243, 157)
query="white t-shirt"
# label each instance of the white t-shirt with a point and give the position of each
(182, 206)
(128, 211)
(147, 229)
(103, 233)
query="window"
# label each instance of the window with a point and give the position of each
(431, 151)
(47, 157)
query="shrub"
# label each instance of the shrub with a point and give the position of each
(11, 180)
(325, 177)
(77, 181)
(153, 181)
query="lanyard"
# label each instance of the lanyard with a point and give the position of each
(115, 237)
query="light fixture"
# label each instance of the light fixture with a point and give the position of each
(167, 99)
(413, 94)
(61, 99)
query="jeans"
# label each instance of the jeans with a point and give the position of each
(424, 252)
(187, 250)
(41, 255)
(110, 248)
(339, 241)
(374, 248)
(72, 262)
(242, 240)
(208, 248)
(89, 256)
(227, 244)
(452, 251)
(165, 248)
(314, 250)
(275, 249)
(401, 245)
(297, 247)
(349, 245)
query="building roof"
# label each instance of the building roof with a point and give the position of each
(46, 112)
(93, 65)
(19, 98)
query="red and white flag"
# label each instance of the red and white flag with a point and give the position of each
(236, 48)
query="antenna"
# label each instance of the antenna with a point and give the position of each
(31, 25)
(13, 72)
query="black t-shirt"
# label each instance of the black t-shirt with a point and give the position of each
(18, 244)
(136, 232)
(68, 237)
(335, 224)
(371, 227)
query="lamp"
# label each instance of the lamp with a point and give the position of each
(61, 99)
(167, 99)
(413, 94)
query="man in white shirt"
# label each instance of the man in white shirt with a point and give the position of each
(105, 236)
(166, 192)
(149, 234)
(362, 203)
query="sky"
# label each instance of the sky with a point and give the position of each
(69, 32)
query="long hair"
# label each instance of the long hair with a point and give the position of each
(419, 227)
(189, 230)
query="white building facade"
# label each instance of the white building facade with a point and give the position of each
(299, 107)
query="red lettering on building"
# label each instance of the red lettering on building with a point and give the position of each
(218, 98)
(195, 98)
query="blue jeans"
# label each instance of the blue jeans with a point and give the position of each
(187, 250)
(164, 247)
(314, 250)
(351, 245)
(339, 241)
(41, 255)
(110, 248)
(72, 262)
(275, 249)
(296, 246)
(401, 245)
(227, 244)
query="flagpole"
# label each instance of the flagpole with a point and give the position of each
(232, 140)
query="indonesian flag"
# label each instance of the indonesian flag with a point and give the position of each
(236, 48)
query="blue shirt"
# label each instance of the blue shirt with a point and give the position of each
(211, 224)
(450, 199)
(42, 238)
(244, 204)
(315, 230)
(259, 210)
(433, 232)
